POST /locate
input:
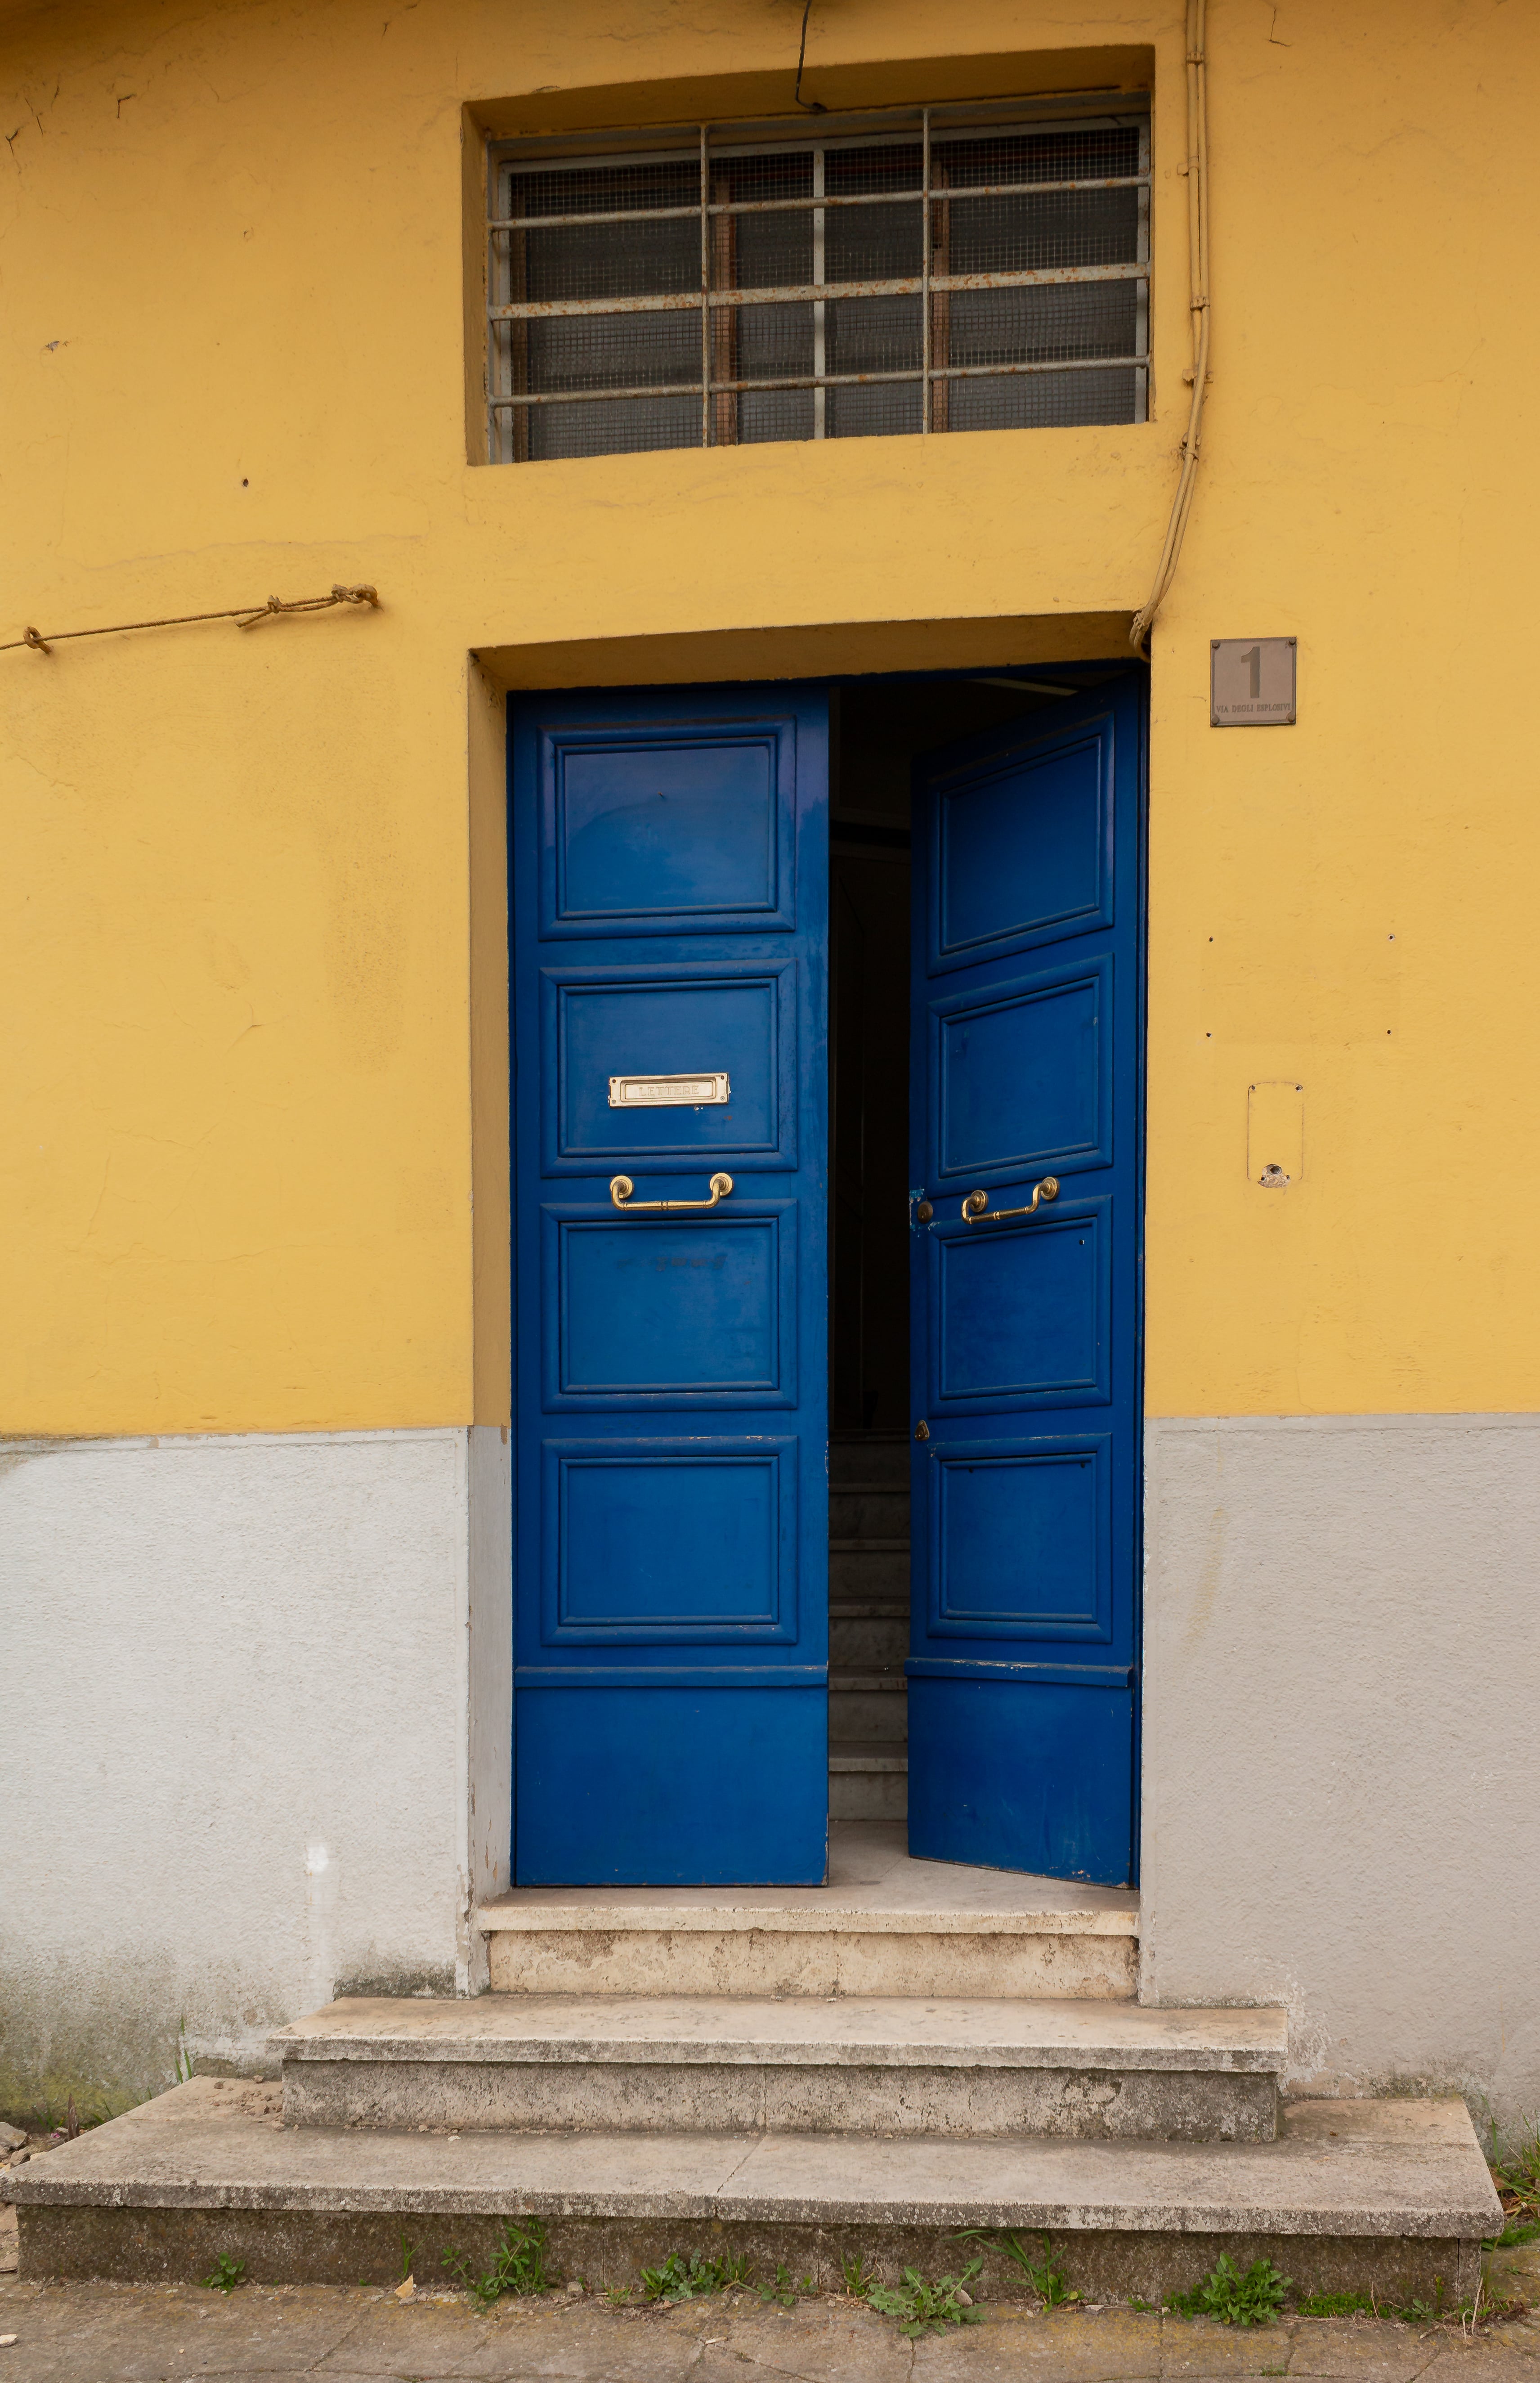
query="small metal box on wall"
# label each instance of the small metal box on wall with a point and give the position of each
(1252, 682)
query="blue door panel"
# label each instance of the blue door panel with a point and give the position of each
(657, 1022)
(1020, 1771)
(670, 908)
(665, 833)
(619, 1786)
(640, 1310)
(652, 1542)
(1019, 1313)
(1019, 848)
(1025, 1476)
(1022, 1073)
(1020, 1540)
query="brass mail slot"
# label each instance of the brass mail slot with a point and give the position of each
(667, 1092)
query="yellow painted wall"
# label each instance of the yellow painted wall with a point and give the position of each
(245, 1182)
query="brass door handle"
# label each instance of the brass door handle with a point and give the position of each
(622, 1188)
(976, 1210)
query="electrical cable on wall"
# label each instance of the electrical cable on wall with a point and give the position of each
(1198, 268)
(813, 106)
(245, 616)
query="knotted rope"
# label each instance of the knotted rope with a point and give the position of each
(245, 616)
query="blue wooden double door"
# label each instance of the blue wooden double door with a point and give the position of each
(670, 930)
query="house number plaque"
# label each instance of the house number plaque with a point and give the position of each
(667, 1092)
(1252, 682)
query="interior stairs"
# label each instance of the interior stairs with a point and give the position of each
(869, 1625)
(807, 2075)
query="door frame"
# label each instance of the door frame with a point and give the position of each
(491, 1753)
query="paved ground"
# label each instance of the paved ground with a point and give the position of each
(126, 2333)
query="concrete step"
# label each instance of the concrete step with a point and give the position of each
(867, 1782)
(880, 1457)
(884, 1925)
(882, 2066)
(869, 1510)
(1393, 2195)
(863, 1570)
(861, 1642)
(871, 1705)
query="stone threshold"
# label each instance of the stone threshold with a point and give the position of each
(874, 1887)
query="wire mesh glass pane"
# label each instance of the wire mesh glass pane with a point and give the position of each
(1068, 155)
(881, 243)
(762, 252)
(878, 165)
(608, 260)
(1078, 318)
(768, 414)
(793, 214)
(881, 412)
(773, 343)
(868, 335)
(1043, 400)
(613, 352)
(615, 426)
(1049, 228)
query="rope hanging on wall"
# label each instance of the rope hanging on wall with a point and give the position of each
(1198, 268)
(245, 616)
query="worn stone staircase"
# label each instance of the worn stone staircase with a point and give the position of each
(869, 1625)
(799, 2076)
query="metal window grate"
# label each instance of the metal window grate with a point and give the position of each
(917, 271)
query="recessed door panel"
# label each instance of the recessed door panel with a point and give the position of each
(653, 1542)
(660, 1023)
(649, 834)
(1020, 1540)
(1026, 1119)
(1021, 845)
(1019, 1311)
(670, 920)
(645, 1310)
(1022, 1073)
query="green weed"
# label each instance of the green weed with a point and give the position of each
(859, 2276)
(409, 2252)
(519, 2267)
(228, 2273)
(1336, 2305)
(1232, 2297)
(687, 2275)
(1046, 2278)
(928, 2308)
(783, 2290)
(1516, 2175)
(183, 2057)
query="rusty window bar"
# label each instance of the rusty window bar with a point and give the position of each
(820, 309)
(1141, 296)
(705, 285)
(783, 206)
(684, 301)
(825, 380)
(927, 387)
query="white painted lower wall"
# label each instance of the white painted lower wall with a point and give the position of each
(254, 1735)
(1342, 1732)
(256, 1724)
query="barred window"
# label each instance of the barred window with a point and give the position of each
(918, 271)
